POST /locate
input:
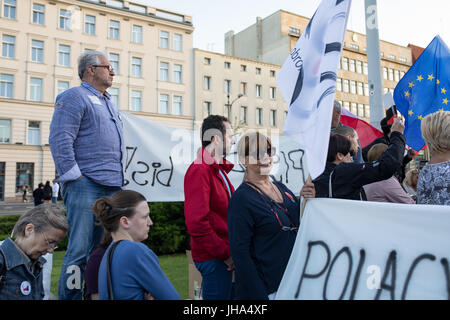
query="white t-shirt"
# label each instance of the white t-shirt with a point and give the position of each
(55, 190)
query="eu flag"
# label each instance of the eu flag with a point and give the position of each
(424, 89)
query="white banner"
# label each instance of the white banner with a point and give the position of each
(157, 156)
(368, 250)
(307, 81)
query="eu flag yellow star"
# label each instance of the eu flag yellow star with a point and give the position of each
(445, 101)
(410, 112)
(420, 117)
(419, 78)
(438, 82)
(442, 109)
(430, 77)
(443, 91)
(406, 93)
(411, 84)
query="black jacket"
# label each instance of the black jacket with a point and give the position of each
(348, 178)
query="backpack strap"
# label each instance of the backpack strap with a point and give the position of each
(108, 269)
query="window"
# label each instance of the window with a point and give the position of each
(115, 3)
(137, 8)
(35, 89)
(391, 56)
(177, 108)
(177, 42)
(64, 19)
(163, 71)
(136, 100)
(353, 109)
(258, 91)
(114, 29)
(273, 93)
(396, 75)
(9, 9)
(8, 46)
(136, 34)
(38, 14)
(259, 116)
(339, 84)
(5, 131)
(114, 61)
(37, 51)
(385, 73)
(89, 25)
(24, 175)
(402, 59)
(243, 115)
(207, 61)
(346, 105)
(273, 118)
(344, 63)
(360, 110)
(207, 109)
(244, 88)
(6, 85)
(177, 73)
(352, 65)
(206, 83)
(164, 103)
(359, 66)
(353, 87)
(243, 68)
(402, 73)
(34, 137)
(367, 111)
(227, 65)
(258, 70)
(366, 89)
(164, 40)
(272, 73)
(227, 86)
(346, 86)
(62, 86)
(354, 46)
(136, 67)
(64, 55)
(114, 92)
(360, 88)
(391, 74)
(366, 68)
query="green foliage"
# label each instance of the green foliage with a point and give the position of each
(7, 225)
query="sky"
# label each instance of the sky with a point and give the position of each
(399, 21)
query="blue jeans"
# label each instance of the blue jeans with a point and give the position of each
(79, 196)
(216, 280)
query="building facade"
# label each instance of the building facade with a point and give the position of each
(150, 50)
(271, 40)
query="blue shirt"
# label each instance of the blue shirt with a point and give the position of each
(86, 136)
(135, 270)
(259, 247)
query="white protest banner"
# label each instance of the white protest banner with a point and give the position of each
(157, 156)
(368, 250)
(307, 81)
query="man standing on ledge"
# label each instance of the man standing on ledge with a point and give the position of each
(86, 142)
(207, 191)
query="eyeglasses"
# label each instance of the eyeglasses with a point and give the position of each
(50, 245)
(109, 67)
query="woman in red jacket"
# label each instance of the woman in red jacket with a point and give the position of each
(207, 191)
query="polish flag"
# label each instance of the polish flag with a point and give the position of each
(366, 132)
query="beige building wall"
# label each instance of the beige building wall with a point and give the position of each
(48, 40)
(245, 75)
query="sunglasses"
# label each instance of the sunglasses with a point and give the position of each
(109, 67)
(259, 154)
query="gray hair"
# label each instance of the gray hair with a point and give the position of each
(42, 217)
(337, 105)
(345, 131)
(87, 59)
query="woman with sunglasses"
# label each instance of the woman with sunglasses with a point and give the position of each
(263, 219)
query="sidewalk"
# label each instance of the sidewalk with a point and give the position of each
(15, 207)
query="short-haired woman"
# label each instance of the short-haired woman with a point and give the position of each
(263, 219)
(135, 271)
(36, 233)
(433, 186)
(389, 190)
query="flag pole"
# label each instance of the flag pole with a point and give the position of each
(304, 199)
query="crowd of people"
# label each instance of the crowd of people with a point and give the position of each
(43, 193)
(240, 240)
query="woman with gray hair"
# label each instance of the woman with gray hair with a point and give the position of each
(433, 186)
(36, 233)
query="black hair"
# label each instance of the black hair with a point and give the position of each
(338, 143)
(385, 126)
(210, 124)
